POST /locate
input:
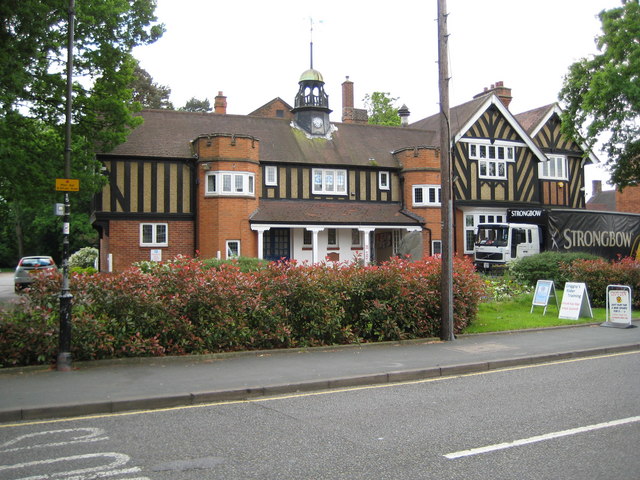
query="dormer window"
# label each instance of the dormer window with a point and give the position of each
(555, 168)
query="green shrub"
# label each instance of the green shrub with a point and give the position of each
(546, 266)
(185, 306)
(84, 258)
(598, 274)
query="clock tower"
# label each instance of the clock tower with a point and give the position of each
(312, 104)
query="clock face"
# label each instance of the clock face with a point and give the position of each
(317, 122)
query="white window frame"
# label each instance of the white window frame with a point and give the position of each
(555, 168)
(226, 183)
(354, 232)
(155, 235)
(271, 176)
(337, 238)
(428, 192)
(492, 158)
(384, 180)
(228, 250)
(436, 247)
(332, 181)
(474, 218)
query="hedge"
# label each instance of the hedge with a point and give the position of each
(188, 306)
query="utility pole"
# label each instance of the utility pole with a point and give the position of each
(63, 363)
(446, 332)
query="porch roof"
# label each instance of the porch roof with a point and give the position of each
(310, 212)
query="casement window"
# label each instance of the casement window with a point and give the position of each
(555, 168)
(154, 234)
(329, 181)
(398, 235)
(271, 176)
(332, 237)
(426, 195)
(233, 248)
(436, 247)
(356, 238)
(307, 238)
(383, 180)
(492, 159)
(230, 183)
(471, 221)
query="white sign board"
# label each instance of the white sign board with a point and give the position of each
(544, 290)
(575, 302)
(619, 306)
(156, 255)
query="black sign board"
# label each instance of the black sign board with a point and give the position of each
(535, 216)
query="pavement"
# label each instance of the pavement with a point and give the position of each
(112, 386)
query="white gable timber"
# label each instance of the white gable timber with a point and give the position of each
(494, 100)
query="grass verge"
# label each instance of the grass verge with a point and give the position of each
(515, 315)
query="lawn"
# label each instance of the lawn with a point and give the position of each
(515, 315)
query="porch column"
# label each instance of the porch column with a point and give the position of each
(314, 242)
(366, 244)
(260, 230)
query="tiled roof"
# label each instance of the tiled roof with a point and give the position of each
(168, 134)
(605, 200)
(531, 119)
(459, 115)
(332, 213)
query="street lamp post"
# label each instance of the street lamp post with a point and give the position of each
(64, 352)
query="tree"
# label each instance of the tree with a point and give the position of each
(195, 105)
(33, 46)
(380, 108)
(602, 94)
(148, 93)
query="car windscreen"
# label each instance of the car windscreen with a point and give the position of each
(492, 235)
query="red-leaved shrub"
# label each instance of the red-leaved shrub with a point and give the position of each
(184, 306)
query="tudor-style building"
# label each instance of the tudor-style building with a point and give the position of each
(286, 182)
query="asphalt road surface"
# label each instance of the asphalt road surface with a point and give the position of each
(577, 419)
(7, 293)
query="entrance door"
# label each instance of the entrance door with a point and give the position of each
(277, 243)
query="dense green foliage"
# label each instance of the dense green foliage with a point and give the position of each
(599, 273)
(196, 105)
(188, 307)
(602, 93)
(33, 91)
(545, 266)
(380, 108)
(83, 258)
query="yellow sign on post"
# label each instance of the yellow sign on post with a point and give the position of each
(67, 185)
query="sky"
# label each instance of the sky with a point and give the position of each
(254, 50)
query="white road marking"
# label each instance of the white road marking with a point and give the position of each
(88, 435)
(540, 438)
(106, 470)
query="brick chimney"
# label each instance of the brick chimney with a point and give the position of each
(349, 113)
(500, 91)
(596, 187)
(220, 104)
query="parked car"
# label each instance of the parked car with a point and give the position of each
(28, 266)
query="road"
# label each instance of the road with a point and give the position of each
(576, 419)
(7, 293)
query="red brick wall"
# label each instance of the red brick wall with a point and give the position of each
(421, 166)
(123, 243)
(628, 200)
(222, 218)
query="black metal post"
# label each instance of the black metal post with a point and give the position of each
(64, 352)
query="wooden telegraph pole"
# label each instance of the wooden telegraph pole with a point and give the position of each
(446, 332)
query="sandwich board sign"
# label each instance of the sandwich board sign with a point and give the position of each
(575, 302)
(619, 305)
(545, 289)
